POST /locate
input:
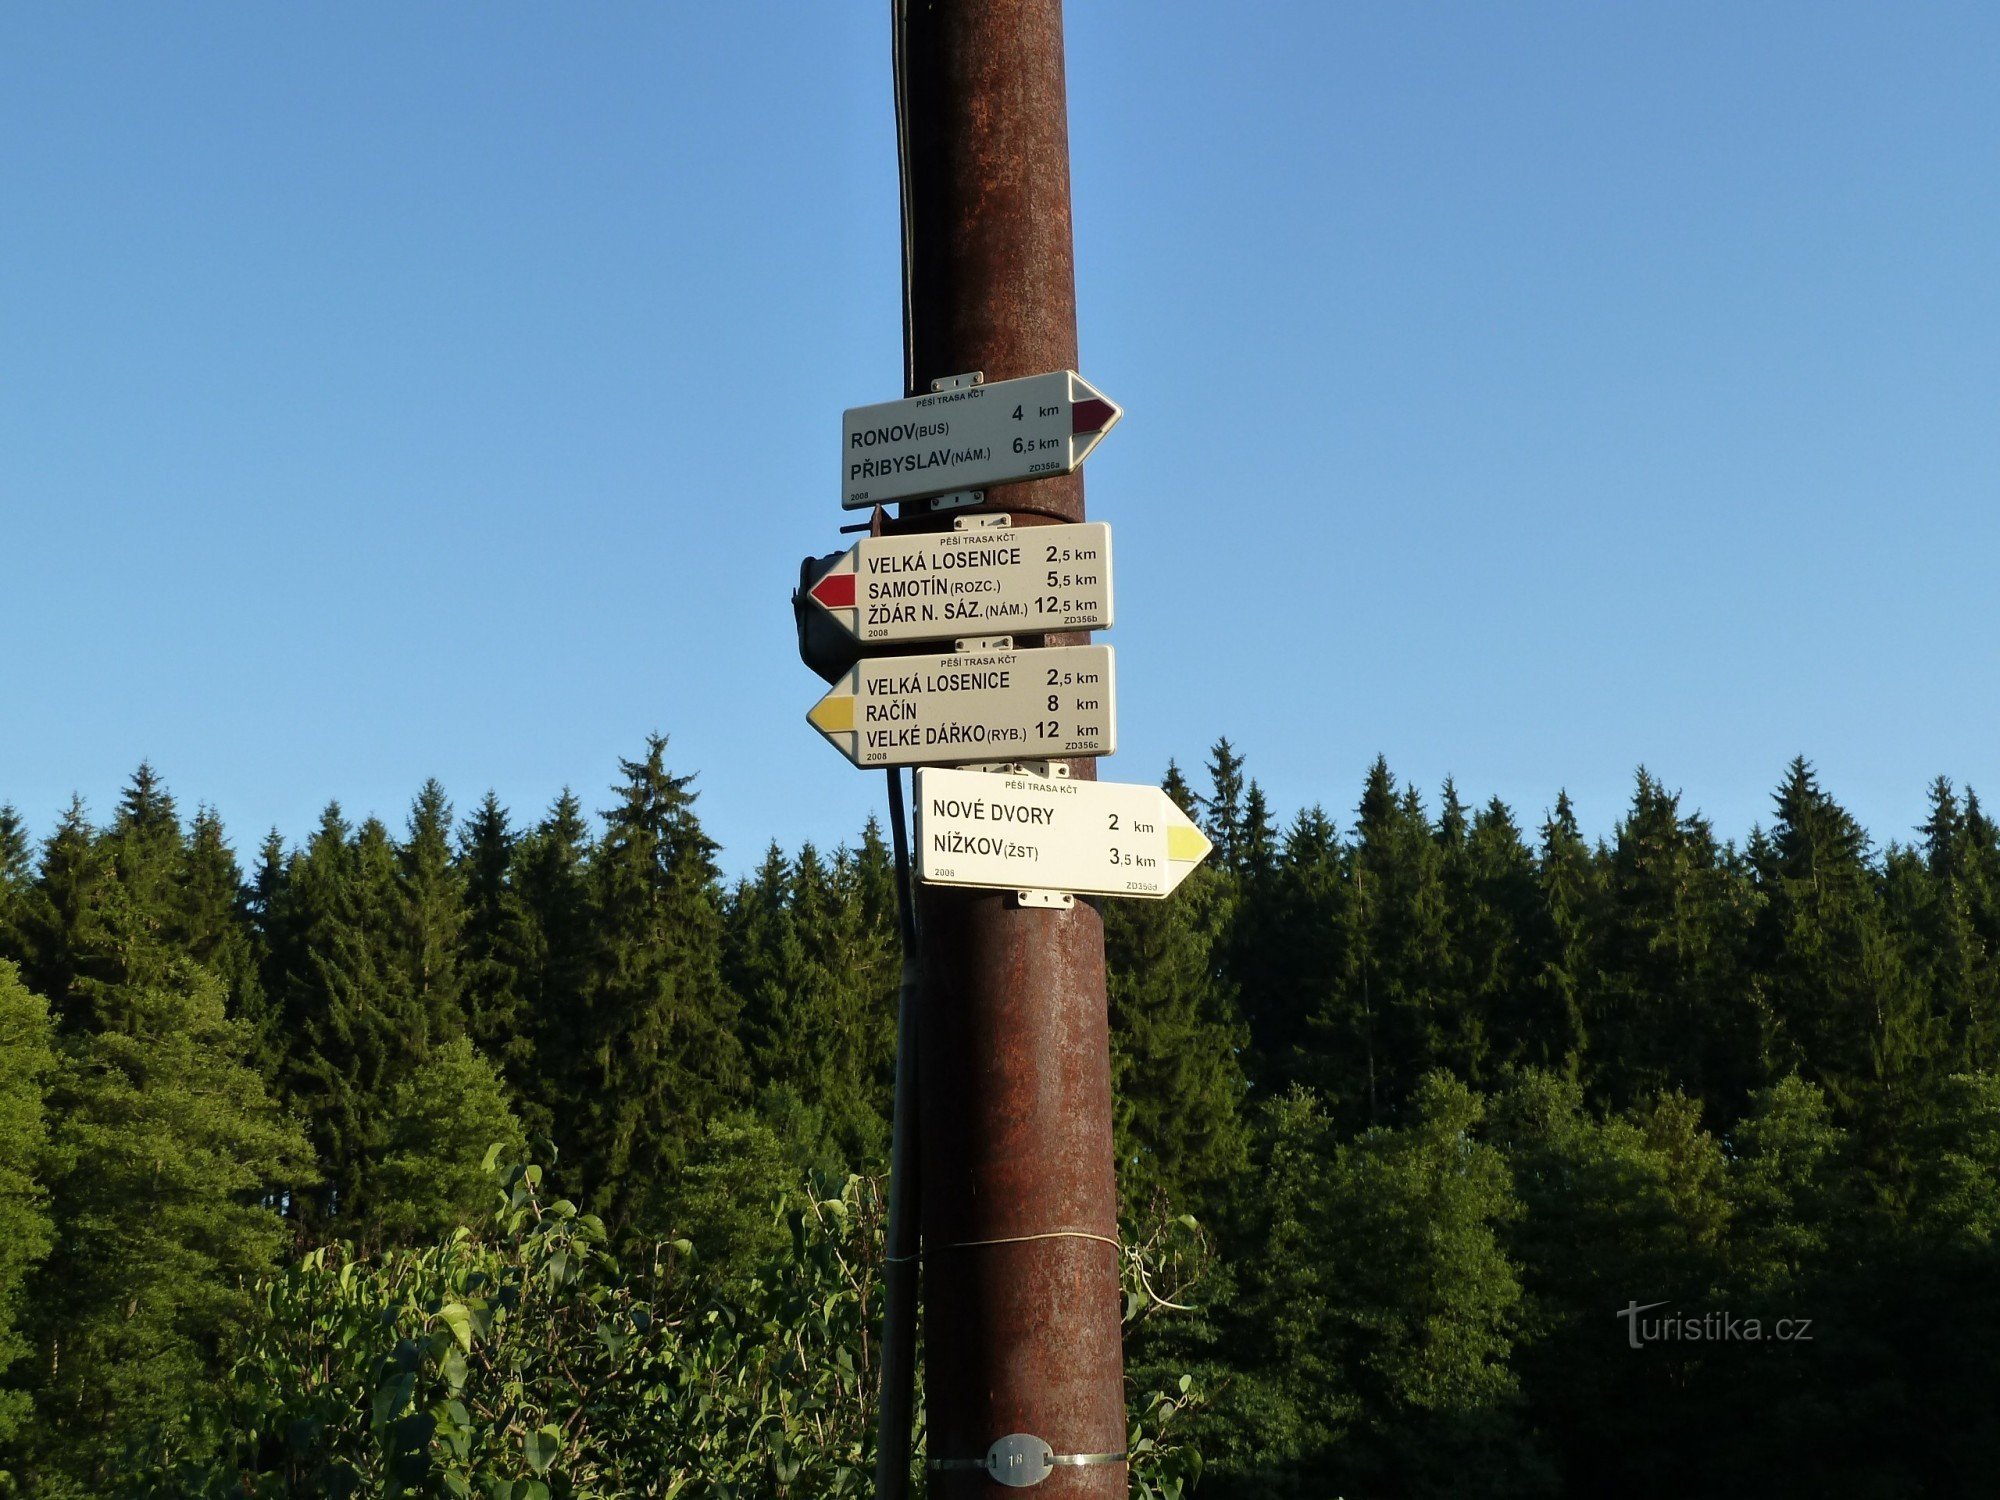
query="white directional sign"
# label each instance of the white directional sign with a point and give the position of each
(1021, 832)
(968, 438)
(984, 580)
(972, 706)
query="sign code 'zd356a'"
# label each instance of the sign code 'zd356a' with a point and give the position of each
(1021, 832)
(970, 437)
(972, 706)
(986, 580)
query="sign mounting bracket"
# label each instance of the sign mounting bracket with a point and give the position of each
(1059, 900)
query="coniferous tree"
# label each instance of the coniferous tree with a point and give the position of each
(1846, 1012)
(431, 900)
(1453, 826)
(210, 922)
(1176, 1036)
(1258, 855)
(552, 877)
(1400, 949)
(166, 1147)
(1380, 1308)
(1546, 1029)
(343, 1030)
(1619, 1210)
(1785, 1187)
(868, 876)
(723, 1203)
(815, 960)
(652, 1053)
(497, 948)
(63, 951)
(1670, 1009)
(1945, 907)
(1249, 943)
(1980, 840)
(147, 853)
(157, 898)
(851, 933)
(26, 1063)
(765, 958)
(1222, 809)
(16, 884)
(1490, 896)
(1291, 949)
(264, 910)
(443, 1119)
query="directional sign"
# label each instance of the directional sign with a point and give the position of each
(1020, 832)
(972, 706)
(970, 437)
(986, 580)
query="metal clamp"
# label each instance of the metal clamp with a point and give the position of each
(956, 500)
(1021, 1459)
(1049, 771)
(1058, 900)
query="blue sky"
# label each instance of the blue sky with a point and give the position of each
(1523, 393)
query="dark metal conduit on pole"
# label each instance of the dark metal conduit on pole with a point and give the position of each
(899, 1271)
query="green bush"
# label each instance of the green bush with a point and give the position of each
(527, 1364)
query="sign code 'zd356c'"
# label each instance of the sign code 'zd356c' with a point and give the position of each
(1020, 832)
(990, 580)
(972, 706)
(969, 437)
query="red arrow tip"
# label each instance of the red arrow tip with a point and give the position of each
(835, 591)
(1091, 415)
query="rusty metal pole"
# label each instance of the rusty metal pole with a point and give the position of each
(1021, 1264)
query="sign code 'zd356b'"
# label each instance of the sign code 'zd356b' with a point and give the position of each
(1020, 832)
(972, 706)
(989, 580)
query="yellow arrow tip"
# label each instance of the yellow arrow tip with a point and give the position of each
(833, 714)
(1187, 843)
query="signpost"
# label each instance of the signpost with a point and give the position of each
(972, 706)
(1021, 832)
(971, 436)
(983, 580)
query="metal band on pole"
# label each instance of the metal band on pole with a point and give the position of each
(1054, 1460)
(1021, 1460)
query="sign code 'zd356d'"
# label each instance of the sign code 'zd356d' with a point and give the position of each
(972, 706)
(1019, 832)
(968, 438)
(987, 580)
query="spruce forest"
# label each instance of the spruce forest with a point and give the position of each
(1460, 1155)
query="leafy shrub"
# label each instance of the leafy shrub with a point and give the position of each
(529, 1365)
